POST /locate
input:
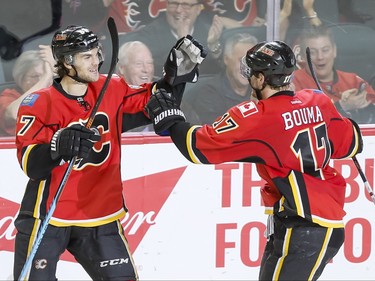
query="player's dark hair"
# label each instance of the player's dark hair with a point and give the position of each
(61, 69)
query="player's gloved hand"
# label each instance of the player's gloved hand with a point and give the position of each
(177, 90)
(76, 140)
(183, 60)
(163, 111)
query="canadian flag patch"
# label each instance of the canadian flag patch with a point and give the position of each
(248, 108)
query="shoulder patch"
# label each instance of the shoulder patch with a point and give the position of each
(29, 100)
(248, 108)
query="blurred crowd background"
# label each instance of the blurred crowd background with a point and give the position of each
(344, 57)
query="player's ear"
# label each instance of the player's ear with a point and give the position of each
(261, 77)
(68, 66)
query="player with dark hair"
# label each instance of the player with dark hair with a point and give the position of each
(51, 132)
(291, 136)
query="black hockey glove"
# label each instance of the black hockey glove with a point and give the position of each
(177, 90)
(183, 60)
(163, 111)
(76, 140)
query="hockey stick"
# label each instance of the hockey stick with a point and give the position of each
(115, 46)
(356, 163)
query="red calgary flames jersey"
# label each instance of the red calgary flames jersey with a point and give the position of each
(292, 137)
(93, 192)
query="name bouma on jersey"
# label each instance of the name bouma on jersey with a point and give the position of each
(302, 116)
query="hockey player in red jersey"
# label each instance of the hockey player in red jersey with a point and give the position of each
(51, 131)
(291, 136)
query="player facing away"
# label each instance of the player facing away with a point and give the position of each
(51, 132)
(291, 136)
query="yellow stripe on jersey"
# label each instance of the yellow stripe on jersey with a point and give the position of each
(328, 223)
(33, 235)
(25, 157)
(189, 145)
(125, 241)
(280, 262)
(268, 210)
(36, 213)
(89, 222)
(282, 200)
(355, 149)
(296, 194)
(322, 253)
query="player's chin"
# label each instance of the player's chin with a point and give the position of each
(94, 77)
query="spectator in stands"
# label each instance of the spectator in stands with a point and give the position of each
(135, 63)
(213, 96)
(136, 66)
(32, 71)
(352, 95)
(295, 15)
(179, 19)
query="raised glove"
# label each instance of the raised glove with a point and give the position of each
(182, 63)
(76, 140)
(163, 111)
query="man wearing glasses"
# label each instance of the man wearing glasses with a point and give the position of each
(182, 17)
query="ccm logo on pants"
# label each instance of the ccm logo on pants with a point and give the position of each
(113, 262)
